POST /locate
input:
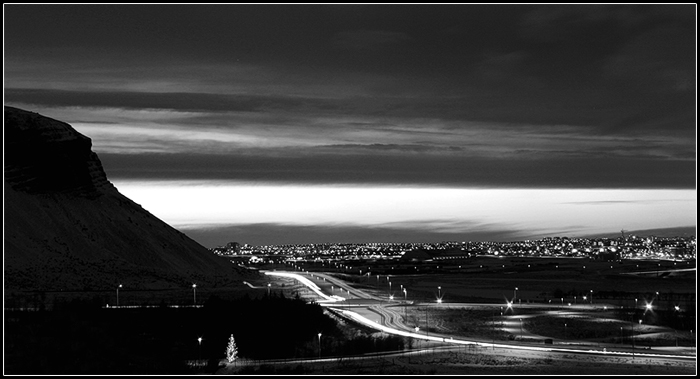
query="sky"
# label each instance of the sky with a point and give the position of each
(278, 124)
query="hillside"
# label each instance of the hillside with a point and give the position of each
(68, 228)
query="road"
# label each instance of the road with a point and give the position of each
(384, 315)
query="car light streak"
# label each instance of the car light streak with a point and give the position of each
(312, 286)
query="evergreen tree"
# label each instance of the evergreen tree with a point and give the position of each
(231, 350)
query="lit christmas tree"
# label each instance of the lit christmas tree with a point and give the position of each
(231, 350)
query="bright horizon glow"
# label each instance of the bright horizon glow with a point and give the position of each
(573, 212)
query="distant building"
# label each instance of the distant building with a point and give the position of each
(417, 255)
(233, 247)
(607, 255)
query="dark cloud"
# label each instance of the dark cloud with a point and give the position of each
(362, 40)
(549, 85)
(180, 101)
(279, 234)
(408, 169)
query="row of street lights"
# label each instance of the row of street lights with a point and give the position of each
(194, 293)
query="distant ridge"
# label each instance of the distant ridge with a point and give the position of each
(68, 228)
(681, 231)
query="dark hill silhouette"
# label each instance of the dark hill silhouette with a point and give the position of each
(68, 228)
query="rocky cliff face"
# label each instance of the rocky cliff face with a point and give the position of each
(68, 228)
(43, 155)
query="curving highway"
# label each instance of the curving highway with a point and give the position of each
(386, 316)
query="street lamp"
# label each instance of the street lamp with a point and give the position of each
(521, 329)
(319, 345)
(622, 337)
(405, 311)
(515, 294)
(200, 347)
(389, 287)
(120, 286)
(194, 293)
(268, 289)
(564, 330)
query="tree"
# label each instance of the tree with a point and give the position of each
(232, 350)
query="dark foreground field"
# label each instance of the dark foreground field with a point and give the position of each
(473, 362)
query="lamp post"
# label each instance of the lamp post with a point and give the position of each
(319, 346)
(405, 312)
(194, 293)
(439, 292)
(426, 321)
(591, 296)
(515, 294)
(493, 337)
(268, 289)
(120, 286)
(521, 330)
(200, 347)
(389, 287)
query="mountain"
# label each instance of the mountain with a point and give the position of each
(66, 227)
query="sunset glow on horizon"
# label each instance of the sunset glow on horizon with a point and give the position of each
(200, 205)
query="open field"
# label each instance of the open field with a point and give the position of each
(474, 362)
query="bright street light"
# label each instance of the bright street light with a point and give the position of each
(120, 286)
(319, 345)
(194, 294)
